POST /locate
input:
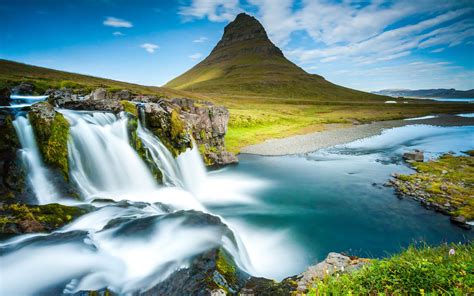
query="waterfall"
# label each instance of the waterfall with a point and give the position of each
(44, 190)
(102, 162)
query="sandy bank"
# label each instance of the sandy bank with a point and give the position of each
(314, 141)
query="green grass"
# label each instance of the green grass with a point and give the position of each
(419, 270)
(12, 73)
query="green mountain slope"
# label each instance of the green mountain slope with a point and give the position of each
(12, 73)
(246, 62)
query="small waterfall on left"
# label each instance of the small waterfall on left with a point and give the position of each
(44, 190)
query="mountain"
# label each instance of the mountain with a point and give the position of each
(11, 73)
(427, 93)
(246, 62)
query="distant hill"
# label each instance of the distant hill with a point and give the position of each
(12, 73)
(246, 62)
(427, 93)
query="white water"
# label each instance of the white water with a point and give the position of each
(37, 173)
(104, 165)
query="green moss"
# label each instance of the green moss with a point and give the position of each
(50, 216)
(177, 125)
(52, 137)
(449, 179)
(415, 271)
(129, 107)
(68, 84)
(204, 153)
(226, 267)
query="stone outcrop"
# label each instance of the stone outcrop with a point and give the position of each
(334, 262)
(208, 124)
(51, 130)
(59, 97)
(23, 89)
(415, 155)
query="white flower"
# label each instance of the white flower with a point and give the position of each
(452, 252)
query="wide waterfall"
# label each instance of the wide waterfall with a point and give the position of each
(140, 232)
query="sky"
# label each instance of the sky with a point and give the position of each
(366, 45)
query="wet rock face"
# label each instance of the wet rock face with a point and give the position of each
(211, 273)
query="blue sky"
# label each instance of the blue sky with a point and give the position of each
(367, 45)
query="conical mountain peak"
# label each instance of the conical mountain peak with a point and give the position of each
(243, 28)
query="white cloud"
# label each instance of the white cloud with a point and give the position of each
(437, 50)
(214, 10)
(200, 40)
(149, 47)
(196, 56)
(117, 33)
(117, 23)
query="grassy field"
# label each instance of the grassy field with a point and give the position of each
(253, 118)
(12, 73)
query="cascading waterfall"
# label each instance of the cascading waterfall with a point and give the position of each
(38, 174)
(104, 165)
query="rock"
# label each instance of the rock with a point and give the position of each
(444, 172)
(99, 94)
(460, 221)
(122, 95)
(334, 262)
(95, 105)
(415, 155)
(59, 97)
(23, 89)
(30, 226)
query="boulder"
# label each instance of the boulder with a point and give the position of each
(334, 262)
(414, 155)
(95, 105)
(99, 94)
(122, 95)
(23, 89)
(59, 97)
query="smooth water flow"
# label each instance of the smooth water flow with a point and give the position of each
(141, 231)
(101, 158)
(38, 174)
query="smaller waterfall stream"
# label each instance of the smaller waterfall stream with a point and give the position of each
(44, 190)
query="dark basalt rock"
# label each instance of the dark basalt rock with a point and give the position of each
(415, 155)
(59, 97)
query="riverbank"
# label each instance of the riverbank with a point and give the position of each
(314, 141)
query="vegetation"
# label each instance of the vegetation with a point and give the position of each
(36, 218)
(52, 137)
(448, 180)
(419, 270)
(13, 73)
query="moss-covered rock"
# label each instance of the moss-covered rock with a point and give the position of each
(166, 123)
(51, 131)
(445, 184)
(137, 143)
(16, 218)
